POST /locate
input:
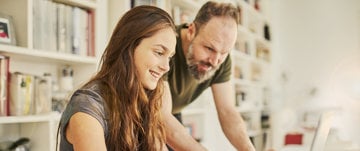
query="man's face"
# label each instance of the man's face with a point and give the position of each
(209, 48)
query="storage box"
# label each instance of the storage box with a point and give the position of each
(293, 138)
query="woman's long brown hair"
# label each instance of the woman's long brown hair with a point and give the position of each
(133, 112)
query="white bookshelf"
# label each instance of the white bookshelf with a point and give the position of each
(42, 128)
(252, 66)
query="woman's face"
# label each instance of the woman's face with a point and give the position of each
(152, 57)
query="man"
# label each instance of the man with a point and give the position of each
(202, 60)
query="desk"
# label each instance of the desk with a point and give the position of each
(333, 146)
(295, 148)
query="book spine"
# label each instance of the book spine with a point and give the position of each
(91, 34)
(4, 80)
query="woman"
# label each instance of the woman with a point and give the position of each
(119, 108)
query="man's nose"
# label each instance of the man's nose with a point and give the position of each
(214, 59)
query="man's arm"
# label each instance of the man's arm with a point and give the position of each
(231, 122)
(176, 135)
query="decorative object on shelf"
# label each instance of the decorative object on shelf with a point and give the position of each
(257, 5)
(43, 93)
(59, 101)
(22, 144)
(7, 31)
(66, 79)
(265, 120)
(241, 95)
(293, 138)
(267, 34)
(61, 90)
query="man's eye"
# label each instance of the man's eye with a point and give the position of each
(209, 48)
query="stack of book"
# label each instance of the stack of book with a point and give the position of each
(63, 28)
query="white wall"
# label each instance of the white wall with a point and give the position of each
(316, 44)
(116, 10)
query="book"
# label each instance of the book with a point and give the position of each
(21, 94)
(91, 34)
(76, 30)
(84, 32)
(69, 29)
(61, 28)
(4, 85)
(38, 24)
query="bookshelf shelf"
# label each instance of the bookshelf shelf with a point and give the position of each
(30, 118)
(45, 56)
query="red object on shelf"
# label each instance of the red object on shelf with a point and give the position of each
(293, 138)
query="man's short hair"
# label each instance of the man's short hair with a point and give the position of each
(213, 9)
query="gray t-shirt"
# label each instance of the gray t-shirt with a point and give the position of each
(86, 100)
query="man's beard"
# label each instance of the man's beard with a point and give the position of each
(200, 76)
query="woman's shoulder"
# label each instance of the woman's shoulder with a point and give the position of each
(91, 90)
(87, 100)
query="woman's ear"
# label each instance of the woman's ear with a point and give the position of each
(191, 32)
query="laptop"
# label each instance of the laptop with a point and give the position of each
(322, 132)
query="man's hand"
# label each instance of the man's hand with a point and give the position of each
(176, 135)
(231, 122)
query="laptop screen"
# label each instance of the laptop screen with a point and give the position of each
(322, 132)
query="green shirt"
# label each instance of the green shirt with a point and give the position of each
(183, 86)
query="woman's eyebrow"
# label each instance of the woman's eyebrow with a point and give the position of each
(166, 49)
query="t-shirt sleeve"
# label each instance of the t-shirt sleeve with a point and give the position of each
(85, 101)
(224, 72)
